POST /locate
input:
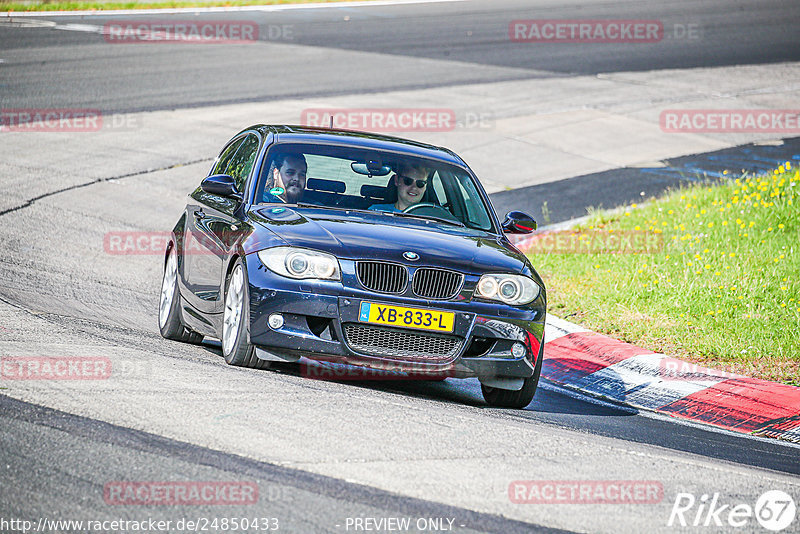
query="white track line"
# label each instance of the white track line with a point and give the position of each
(265, 8)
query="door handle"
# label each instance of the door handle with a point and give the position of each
(199, 214)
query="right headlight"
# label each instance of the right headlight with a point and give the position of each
(301, 263)
(513, 289)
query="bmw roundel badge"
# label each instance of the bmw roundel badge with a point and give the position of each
(411, 256)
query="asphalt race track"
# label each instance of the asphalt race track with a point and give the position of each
(349, 456)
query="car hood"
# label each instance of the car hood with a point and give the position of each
(378, 236)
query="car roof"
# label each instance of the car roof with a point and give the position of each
(307, 134)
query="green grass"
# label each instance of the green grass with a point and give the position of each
(46, 5)
(721, 291)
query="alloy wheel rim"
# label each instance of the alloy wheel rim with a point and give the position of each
(168, 288)
(233, 310)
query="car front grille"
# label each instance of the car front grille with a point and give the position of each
(382, 277)
(402, 344)
(428, 283)
(436, 283)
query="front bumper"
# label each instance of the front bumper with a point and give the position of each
(318, 314)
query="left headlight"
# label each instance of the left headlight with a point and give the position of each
(301, 263)
(513, 289)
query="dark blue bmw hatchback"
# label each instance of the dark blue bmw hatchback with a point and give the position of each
(356, 248)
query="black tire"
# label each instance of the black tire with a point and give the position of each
(504, 398)
(241, 353)
(172, 326)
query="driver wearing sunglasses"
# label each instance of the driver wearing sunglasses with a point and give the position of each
(411, 183)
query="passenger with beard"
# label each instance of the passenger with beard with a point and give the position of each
(287, 178)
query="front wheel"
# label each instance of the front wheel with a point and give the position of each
(169, 307)
(236, 347)
(504, 398)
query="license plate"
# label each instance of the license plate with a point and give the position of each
(371, 312)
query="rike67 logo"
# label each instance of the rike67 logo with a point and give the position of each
(774, 510)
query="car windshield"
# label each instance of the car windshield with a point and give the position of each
(340, 177)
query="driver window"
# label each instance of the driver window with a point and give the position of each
(225, 156)
(472, 202)
(241, 164)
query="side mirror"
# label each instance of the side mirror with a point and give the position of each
(518, 222)
(221, 185)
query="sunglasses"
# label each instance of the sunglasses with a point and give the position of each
(408, 181)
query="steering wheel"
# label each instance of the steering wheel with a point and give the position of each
(433, 210)
(412, 207)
